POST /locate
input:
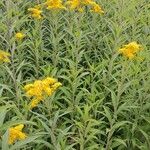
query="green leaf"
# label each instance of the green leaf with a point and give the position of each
(5, 137)
(22, 143)
(117, 142)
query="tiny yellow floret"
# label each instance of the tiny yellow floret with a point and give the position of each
(15, 133)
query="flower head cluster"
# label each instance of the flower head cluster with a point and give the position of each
(80, 4)
(4, 56)
(36, 12)
(54, 4)
(75, 4)
(15, 133)
(19, 36)
(97, 8)
(41, 88)
(130, 49)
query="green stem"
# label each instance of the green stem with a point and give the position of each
(37, 46)
(120, 86)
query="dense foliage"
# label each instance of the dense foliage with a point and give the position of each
(97, 53)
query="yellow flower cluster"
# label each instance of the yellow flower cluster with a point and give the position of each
(19, 36)
(97, 9)
(15, 133)
(130, 49)
(36, 12)
(54, 4)
(4, 56)
(80, 4)
(40, 88)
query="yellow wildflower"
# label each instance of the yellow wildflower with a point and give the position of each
(41, 88)
(80, 4)
(75, 4)
(34, 89)
(19, 36)
(4, 56)
(15, 133)
(35, 12)
(96, 8)
(130, 49)
(54, 4)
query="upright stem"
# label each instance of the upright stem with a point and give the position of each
(37, 46)
(11, 46)
(120, 86)
(55, 38)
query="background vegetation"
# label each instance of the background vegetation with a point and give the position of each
(104, 102)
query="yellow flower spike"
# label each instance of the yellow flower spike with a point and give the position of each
(54, 4)
(4, 56)
(74, 4)
(35, 12)
(15, 133)
(133, 46)
(96, 8)
(80, 4)
(130, 50)
(19, 36)
(37, 89)
(41, 89)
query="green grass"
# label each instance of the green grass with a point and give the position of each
(104, 103)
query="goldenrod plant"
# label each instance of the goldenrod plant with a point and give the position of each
(16, 133)
(74, 75)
